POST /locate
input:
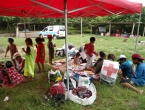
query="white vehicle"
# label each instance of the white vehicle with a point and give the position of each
(57, 31)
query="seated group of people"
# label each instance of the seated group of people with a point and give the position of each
(130, 72)
(12, 71)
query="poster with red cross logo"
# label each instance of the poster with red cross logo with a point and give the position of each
(110, 68)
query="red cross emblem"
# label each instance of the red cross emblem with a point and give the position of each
(110, 69)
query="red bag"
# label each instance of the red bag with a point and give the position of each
(57, 88)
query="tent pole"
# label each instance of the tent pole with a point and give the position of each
(81, 30)
(66, 46)
(139, 20)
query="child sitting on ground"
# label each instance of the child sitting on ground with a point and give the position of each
(111, 57)
(19, 63)
(98, 65)
(77, 60)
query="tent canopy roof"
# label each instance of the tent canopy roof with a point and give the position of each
(76, 8)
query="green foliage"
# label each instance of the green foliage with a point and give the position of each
(7, 24)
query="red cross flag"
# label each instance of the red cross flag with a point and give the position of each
(110, 68)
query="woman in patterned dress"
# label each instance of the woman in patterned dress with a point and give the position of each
(14, 76)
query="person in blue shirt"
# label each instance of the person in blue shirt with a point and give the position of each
(138, 78)
(125, 67)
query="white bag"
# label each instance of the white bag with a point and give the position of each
(84, 81)
(53, 72)
(85, 101)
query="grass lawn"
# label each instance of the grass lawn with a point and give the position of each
(29, 96)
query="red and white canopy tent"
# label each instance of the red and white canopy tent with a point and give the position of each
(68, 8)
(75, 8)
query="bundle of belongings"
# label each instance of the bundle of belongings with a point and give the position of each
(81, 89)
(62, 51)
(56, 94)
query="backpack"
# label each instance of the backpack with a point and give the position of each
(57, 88)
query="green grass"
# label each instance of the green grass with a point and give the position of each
(28, 96)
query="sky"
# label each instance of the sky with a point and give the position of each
(140, 1)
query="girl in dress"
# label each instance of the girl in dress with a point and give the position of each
(40, 57)
(29, 59)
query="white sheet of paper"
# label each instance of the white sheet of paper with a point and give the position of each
(83, 55)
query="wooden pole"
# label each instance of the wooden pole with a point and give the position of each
(17, 30)
(109, 29)
(132, 28)
(143, 31)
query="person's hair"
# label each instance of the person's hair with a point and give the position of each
(38, 39)
(11, 40)
(29, 40)
(78, 54)
(111, 57)
(9, 64)
(140, 60)
(102, 54)
(122, 59)
(92, 39)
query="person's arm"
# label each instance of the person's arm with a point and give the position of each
(132, 69)
(138, 72)
(27, 51)
(7, 50)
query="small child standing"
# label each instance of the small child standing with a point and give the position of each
(89, 49)
(40, 57)
(50, 46)
(12, 47)
(29, 59)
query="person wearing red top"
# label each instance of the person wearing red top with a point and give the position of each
(40, 58)
(89, 49)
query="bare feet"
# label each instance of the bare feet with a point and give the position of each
(140, 92)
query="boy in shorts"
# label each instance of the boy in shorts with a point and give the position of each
(12, 47)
